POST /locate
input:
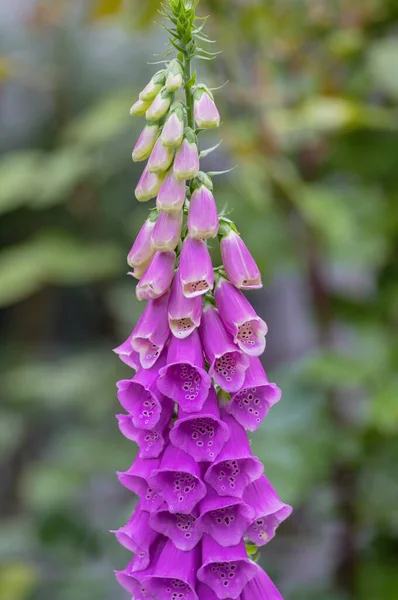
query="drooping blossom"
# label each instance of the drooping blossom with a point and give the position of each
(239, 265)
(167, 231)
(196, 269)
(184, 530)
(151, 332)
(205, 109)
(148, 185)
(173, 129)
(161, 158)
(152, 89)
(203, 216)
(140, 107)
(174, 76)
(142, 252)
(186, 162)
(172, 193)
(146, 142)
(159, 106)
(184, 314)
(158, 277)
(150, 442)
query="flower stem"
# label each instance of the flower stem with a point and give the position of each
(188, 91)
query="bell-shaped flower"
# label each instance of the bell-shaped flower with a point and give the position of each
(204, 592)
(152, 331)
(137, 536)
(142, 252)
(202, 434)
(141, 398)
(127, 355)
(167, 231)
(183, 530)
(158, 277)
(235, 467)
(134, 581)
(159, 106)
(139, 271)
(205, 109)
(269, 511)
(227, 363)
(202, 216)
(172, 194)
(136, 479)
(140, 107)
(186, 162)
(239, 265)
(225, 570)
(184, 313)
(261, 588)
(184, 378)
(178, 480)
(196, 269)
(173, 129)
(174, 76)
(148, 185)
(146, 142)
(150, 442)
(161, 158)
(151, 90)
(224, 518)
(252, 403)
(240, 318)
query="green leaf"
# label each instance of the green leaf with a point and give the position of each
(20, 179)
(385, 407)
(383, 65)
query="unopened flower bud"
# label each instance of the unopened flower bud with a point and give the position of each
(154, 86)
(160, 106)
(171, 196)
(239, 265)
(167, 231)
(186, 163)
(205, 109)
(161, 158)
(203, 216)
(174, 76)
(158, 277)
(142, 252)
(140, 108)
(148, 185)
(173, 129)
(146, 142)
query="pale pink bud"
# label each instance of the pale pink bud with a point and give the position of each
(161, 158)
(174, 76)
(159, 107)
(142, 251)
(167, 231)
(154, 86)
(148, 185)
(158, 277)
(173, 129)
(146, 142)
(205, 109)
(203, 216)
(239, 265)
(171, 196)
(186, 163)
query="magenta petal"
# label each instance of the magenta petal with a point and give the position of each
(240, 319)
(184, 313)
(225, 570)
(203, 434)
(227, 363)
(158, 277)
(184, 378)
(137, 536)
(235, 467)
(205, 593)
(172, 194)
(183, 530)
(270, 511)
(261, 588)
(161, 158)
(225, 518)
(136, 479)
(203, 215)
(239, 264)
(141, 251)
(196, 269)
(152, 331)
(127, 355)
(252, 403)
(167, 232)
(135, 582)
(186, 162)
(178, 480)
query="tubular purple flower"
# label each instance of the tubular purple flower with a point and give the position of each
(252, 403)
(227, 363)
(167, 231)
(184, 313)
(269, 510)
(205, 593)
(235, 467)
(239, 264)
(173, 129)
(146, 142)
(137, 536)
(183, 530)
(225, 518)
(152, 331)
(136, 479)
(172, 194)
(127, 355)
(161, 158)
(203, 434)
(184, 378)
(158, 277)
(178, 480)
(151, 90)
(174, 76)
(160, 106)
(196, 269)
(261, 588)
(240, 319)
(140, 107)
(225, 570)
(205, 109)
(141, 251)
(135, 582)
(186, 162)
(148, 185)
(203, 216)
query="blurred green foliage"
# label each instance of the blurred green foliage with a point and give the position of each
(310, 116)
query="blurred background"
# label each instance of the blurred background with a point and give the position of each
(311, 118)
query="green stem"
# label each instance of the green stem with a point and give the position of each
(188, 92)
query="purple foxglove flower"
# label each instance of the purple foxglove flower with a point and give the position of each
(136, 479)
(161, 158)
(178, 480)
(235, 467)
(252, 403)
(184, 313)
(186, 162)
(152, 331)
(146, 142)
(141, 251)
(196, 269)
(225, 518)
(154, 86)
(269, 510)
(172, 194)
(159, 107)
(173, 129)
(225, 570)
(140, 108)
(239, 264)
(167, 232)
(184, 378)
(139, 271)
(173, 575)
(150, 442)
(227, 363)
(203, 216)
(203, 434)
(148, 185)
(135, 582)
(183, 530)
(240, 318)
(137, 536)
(127, 355)
(261, 588)
(158, 277)
(205, 109)
(205, 593)
(141, 398)
(174, 76)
